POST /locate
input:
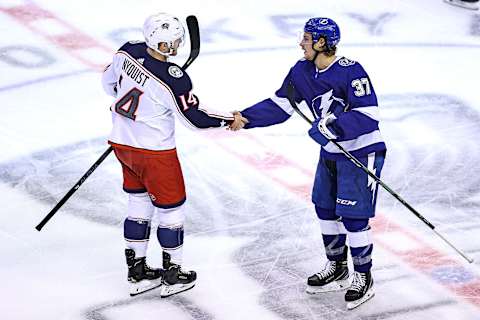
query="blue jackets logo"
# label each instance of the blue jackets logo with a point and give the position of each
(175, 72)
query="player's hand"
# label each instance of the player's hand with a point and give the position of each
(324, 129)
(321, 132)
(238, 123)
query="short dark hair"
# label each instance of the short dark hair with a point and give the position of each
(328, 51)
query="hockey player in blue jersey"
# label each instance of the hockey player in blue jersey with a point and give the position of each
(341, 97)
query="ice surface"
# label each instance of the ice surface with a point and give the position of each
(251, 232)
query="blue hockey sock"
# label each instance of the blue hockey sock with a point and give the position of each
(335, 248)
(170, 238)
(360, 241)
(136, 233)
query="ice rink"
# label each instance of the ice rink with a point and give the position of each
(252, 233)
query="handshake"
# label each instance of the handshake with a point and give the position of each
(238, 123)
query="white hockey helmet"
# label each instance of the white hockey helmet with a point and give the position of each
(163, 27)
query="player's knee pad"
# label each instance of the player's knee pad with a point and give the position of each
(358, 231)
(139, 206)
(170, 227)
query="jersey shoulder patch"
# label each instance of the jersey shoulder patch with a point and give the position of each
(170, 74)
(175, 71)
(344, 62)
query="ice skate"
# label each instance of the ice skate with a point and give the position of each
(140, 276)
(175, 280)
(360, 291)
(333, 277)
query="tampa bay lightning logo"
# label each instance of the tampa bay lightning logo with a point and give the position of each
(344, 62)
(321, 104)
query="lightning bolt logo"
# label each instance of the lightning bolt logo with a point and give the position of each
(371, 183)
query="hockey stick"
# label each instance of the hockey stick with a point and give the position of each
(193, 30)
(291, 99)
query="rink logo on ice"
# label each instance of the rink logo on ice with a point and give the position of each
(418, 143)
(346, 202)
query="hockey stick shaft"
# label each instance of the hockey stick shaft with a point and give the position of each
(73, 189)
(193, 30)
(291, 99)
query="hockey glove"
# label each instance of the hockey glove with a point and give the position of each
(321, 132)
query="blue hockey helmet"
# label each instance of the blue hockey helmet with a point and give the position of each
(323, 27)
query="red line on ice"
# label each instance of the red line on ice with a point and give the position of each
(72, 40)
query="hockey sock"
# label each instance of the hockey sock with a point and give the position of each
(333, 234)
(171, 240)
(361, 246)
(335, 247)
(137, 233)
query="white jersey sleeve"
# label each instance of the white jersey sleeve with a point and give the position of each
(110, 78)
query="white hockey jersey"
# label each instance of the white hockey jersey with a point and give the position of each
(148, 93)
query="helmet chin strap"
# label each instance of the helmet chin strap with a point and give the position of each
(170, 50)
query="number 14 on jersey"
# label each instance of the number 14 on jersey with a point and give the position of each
(188, 102)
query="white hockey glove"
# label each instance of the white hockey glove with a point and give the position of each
(323, 126)
(320, 131)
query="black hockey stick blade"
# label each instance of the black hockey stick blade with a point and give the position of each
(73, 189)
(194, 32)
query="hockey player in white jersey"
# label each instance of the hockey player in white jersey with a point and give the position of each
(149, 90)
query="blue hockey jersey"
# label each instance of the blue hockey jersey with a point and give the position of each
(343, 88)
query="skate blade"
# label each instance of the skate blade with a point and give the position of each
(169, 290)
(353, 304)
(144, 285)
(332, 286)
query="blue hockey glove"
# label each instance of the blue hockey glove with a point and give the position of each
(321, 132)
